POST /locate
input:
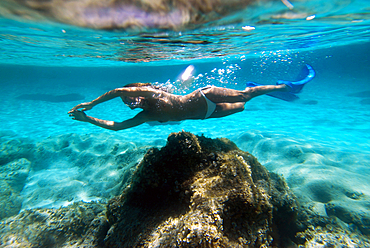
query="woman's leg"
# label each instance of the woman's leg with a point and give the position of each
(265, 89)
(225, 109)
(224, 95)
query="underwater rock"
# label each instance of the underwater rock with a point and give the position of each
(16, 148)
(78, 225)
(15, 164)
(196, 191)
(332, 236)
(357, 217)
(70, 168)
(63, 169)
(12, 180)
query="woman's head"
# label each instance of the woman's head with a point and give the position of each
(135, 102)
(140, 102)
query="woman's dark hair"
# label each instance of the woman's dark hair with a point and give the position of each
(157, 87)
(139, 85)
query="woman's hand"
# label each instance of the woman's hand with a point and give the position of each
(78, 115)
(85, 106)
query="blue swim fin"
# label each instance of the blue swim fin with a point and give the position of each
(297, 86)
(286, 96)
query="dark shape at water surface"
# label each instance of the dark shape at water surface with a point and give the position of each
(362, 94)
(124, 14)
(52, 98)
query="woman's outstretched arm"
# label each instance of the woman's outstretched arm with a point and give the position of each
(137, 120)
(125, 91)
(103, 98)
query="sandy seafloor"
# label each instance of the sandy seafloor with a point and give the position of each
(320, 144)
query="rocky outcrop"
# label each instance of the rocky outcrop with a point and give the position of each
(193, 192)
(63, 169)
(197, 191)
(78, 225)
(13, 176)
(15, 165)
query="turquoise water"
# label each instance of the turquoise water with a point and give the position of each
(319, 143)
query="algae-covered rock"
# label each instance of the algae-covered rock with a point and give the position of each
(78, 225)
(13, 176)
(199, 192)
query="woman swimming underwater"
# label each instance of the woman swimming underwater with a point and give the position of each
(208, 102)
